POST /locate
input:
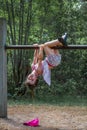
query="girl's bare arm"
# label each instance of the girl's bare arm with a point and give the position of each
(40, 59)
(36, 52)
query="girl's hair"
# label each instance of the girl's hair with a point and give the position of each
(31, 86)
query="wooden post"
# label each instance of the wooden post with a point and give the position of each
(3, 70)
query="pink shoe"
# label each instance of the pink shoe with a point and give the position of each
(32, 123)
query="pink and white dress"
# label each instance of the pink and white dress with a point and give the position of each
(51, 60)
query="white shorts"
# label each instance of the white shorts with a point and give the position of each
(53, 60)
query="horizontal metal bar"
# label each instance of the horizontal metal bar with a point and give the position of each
(35, 47)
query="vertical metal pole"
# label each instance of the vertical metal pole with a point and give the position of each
(3, 70)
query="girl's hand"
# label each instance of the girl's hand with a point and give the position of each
(36, 45)
(42, 46)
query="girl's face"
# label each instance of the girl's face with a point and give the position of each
(32, 78)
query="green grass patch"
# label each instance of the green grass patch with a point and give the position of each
(56, 100)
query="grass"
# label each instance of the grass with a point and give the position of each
(56, 100)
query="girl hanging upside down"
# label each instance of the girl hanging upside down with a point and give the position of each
(42, 66)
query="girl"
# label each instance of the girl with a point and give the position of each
(43, 67)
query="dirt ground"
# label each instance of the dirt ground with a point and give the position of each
(51, 117)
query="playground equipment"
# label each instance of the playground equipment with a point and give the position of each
(3, 63)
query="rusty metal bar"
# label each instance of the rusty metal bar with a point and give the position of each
(34, 47)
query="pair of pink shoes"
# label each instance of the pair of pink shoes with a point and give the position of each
(32, 123)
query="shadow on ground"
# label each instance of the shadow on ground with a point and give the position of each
(10, 124)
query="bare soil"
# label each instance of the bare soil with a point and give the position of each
(51, 117)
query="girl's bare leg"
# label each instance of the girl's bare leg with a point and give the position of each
(49, 51)
(53, 43)
(58, 42)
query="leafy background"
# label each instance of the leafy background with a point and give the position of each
(37, 21)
